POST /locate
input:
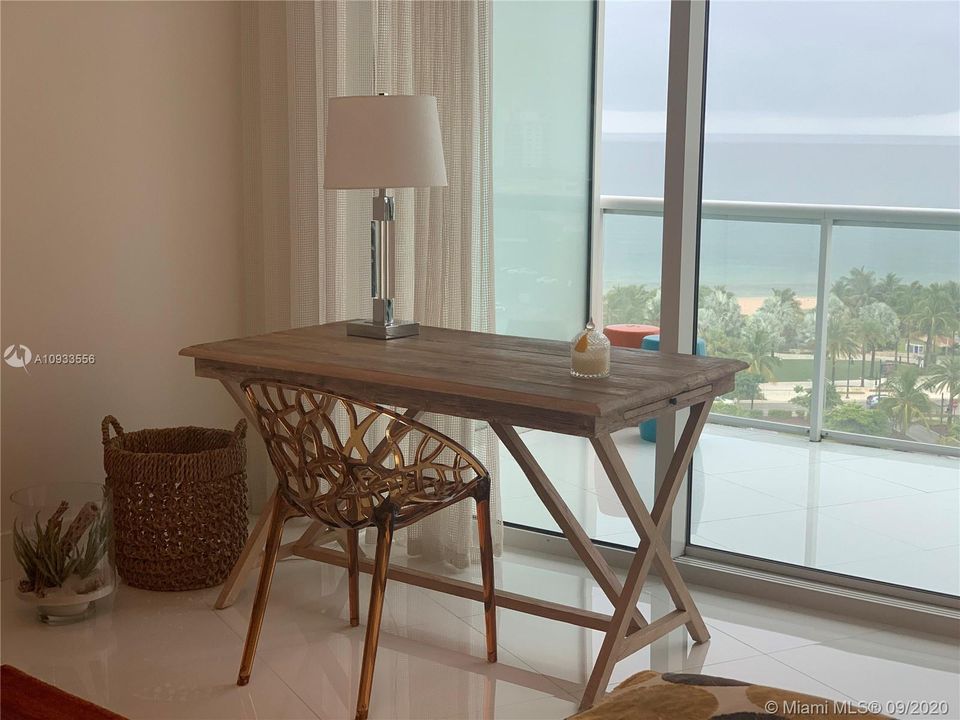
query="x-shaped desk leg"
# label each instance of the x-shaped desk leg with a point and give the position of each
(620, 640)
(589, 554)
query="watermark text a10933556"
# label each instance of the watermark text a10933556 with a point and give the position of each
(19, 355)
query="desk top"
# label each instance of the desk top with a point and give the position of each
(498, 378)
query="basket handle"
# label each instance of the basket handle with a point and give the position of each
(108, 422)
(240, 431)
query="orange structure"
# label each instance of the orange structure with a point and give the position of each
(629, 335)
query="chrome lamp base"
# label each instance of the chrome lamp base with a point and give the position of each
(381, 331)
(382, 326)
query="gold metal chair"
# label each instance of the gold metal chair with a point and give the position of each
(350, 465)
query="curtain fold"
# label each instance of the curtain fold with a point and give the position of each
(306, 250)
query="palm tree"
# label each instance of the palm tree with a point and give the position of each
(876, 329)
(756, 342)
(888, 288)
(784, 317)
(945, 377)
(841, 335)
(905, 305)
(936, 314)
(905, 398)
(720, 319)
(630, 304)
(785, 296)
(857, 288)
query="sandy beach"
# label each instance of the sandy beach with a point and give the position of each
(749, 305)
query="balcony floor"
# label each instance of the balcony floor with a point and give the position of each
(878, 514)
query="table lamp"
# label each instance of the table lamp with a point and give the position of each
(382, 142)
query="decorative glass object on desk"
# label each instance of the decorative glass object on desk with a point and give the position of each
(590, 353)
(62, 538)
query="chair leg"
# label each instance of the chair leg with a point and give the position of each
(280, 514)
(486, 566)
(353, 571)
(385, 518)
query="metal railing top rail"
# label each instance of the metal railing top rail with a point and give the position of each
(863, 215)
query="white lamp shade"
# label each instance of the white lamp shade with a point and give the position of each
(383, 141)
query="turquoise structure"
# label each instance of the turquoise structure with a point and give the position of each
(648, 428)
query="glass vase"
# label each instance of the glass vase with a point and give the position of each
(63, 541)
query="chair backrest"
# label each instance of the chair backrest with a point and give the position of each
(338, 459)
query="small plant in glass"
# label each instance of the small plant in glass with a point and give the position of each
(62, 540)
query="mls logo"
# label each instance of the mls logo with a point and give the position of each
(18, 356)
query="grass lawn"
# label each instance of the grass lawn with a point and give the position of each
(798, 370)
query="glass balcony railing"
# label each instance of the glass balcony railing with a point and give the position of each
(849, 316)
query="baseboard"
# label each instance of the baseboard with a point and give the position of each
(745, 582)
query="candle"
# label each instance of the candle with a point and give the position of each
(590, 354)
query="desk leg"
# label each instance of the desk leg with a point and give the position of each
(250, 557)
(620, 641)
(562, 515)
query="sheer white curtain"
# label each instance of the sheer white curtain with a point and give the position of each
(306, 250)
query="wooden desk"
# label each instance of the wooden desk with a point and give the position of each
(508, 382)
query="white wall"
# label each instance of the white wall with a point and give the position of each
(121, 210)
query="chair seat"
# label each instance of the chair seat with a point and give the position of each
(410, 502)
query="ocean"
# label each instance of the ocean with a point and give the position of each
(750, 258)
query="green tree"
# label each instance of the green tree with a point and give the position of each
(857, 288)
(936, 313)
(905, 400)
(782, 315)
(807, 332)
(888, 287)
(746, 386)
(851, 417)
(804, 397)
(841, 334)
(889, 290)
(944, 377)
(756, 349)
(631, 304)
(719, 320)
(905, 303)
(876, 330)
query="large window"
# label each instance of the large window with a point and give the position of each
(542, 107)
(839, 114)
(633, 131)
(832, 136)
(831, 172)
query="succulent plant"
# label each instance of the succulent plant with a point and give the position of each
(49, 557)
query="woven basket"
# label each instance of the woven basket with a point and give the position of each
(179, 503)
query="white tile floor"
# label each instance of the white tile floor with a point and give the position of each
(879, 514)
(169, 655)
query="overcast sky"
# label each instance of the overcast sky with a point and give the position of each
(867, 67)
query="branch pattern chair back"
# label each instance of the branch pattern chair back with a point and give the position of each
(338, 459)
(351, 464)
